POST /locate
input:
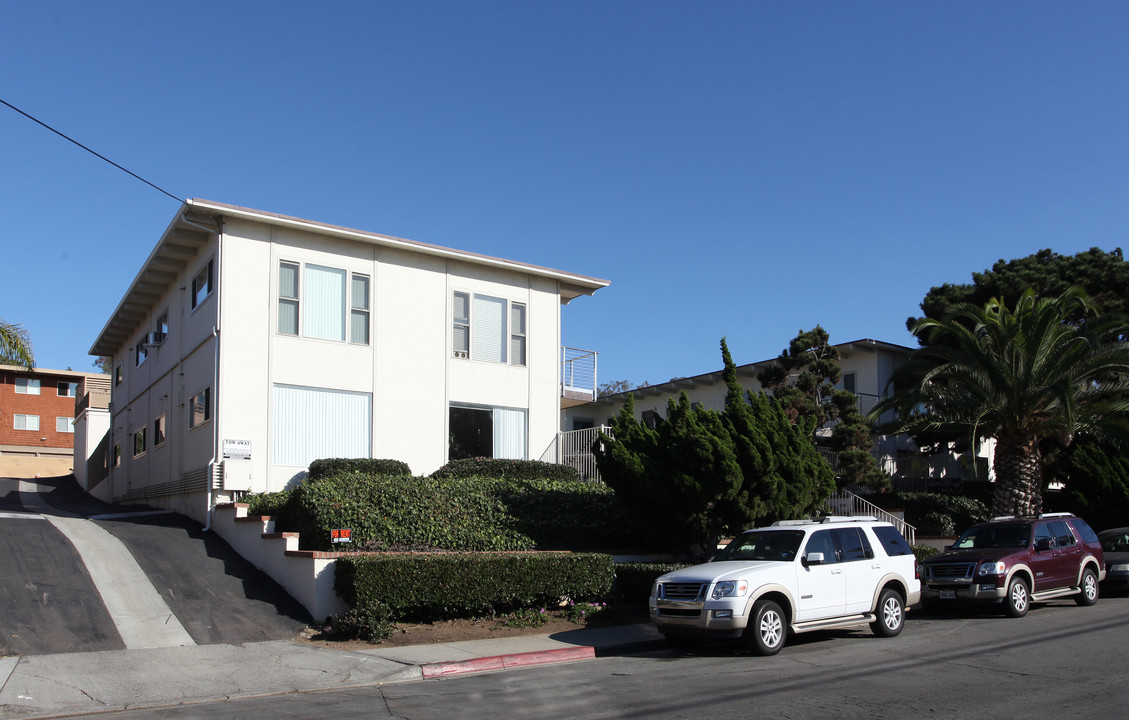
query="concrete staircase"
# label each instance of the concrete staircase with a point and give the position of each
(306, 574)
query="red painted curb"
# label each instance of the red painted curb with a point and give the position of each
(503, 662)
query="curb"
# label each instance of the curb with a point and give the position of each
(526, 659)
(505, 662)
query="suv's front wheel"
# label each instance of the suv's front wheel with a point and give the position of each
(767, 628)
(891, 614)
(1089, 587)
(1018, 598)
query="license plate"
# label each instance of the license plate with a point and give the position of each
(948, 594)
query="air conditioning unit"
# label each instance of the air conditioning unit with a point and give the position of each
(154, 338)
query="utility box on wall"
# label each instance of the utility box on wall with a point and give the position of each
(237, 474)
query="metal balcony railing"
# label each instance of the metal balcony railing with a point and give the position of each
(578, 374)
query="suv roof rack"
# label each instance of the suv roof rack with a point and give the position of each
(826, 519)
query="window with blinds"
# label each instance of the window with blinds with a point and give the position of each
(324, 303)
(486, 328)
(311, 423)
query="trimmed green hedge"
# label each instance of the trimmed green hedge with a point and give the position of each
(508, 469)
(366, 466)
(405, 513)
(280, 506)
(564, 515)
(473, 514)
(633, 581)
(428, 586)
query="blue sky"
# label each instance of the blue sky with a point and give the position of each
(738, 169)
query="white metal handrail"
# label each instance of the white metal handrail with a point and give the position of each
(845, 502)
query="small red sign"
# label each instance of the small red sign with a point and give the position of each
(343, 535)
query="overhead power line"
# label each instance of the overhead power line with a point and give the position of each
(103, 157)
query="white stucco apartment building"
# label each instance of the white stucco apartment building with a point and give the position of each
(251, 343)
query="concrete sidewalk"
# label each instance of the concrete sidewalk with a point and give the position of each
(48, 685)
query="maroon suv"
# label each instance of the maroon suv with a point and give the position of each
(1017, 561)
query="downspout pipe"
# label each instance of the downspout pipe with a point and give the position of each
(215, 373)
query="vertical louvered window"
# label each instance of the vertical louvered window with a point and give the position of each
(359, 312)
(488, 338)
(288, 298)
(312, 423)
(517, 334)
(460, 340)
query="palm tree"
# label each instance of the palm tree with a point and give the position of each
(1042, 372)
(15, 346)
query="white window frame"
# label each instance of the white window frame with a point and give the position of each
(496, 347)
(30, 386)
(119, 374)
(71, 388)
(360, 309)
(140, 434)
(141, 353)
(64, 424)
(203, 283)
(460, 325)
(518, 336)
(21, 421)
(290, 301)
(116, 459)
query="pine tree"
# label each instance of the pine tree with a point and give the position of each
(700, 474)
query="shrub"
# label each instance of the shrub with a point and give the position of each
(366, 466)
(405, 513)
(565, 515)
(633, 581)
(941, 514)
(280, 506)
(474, 513)
(924, 552)
(446, 585)
(508, 469)
(371, 623)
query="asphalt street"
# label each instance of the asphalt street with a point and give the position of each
(1060, 661)
(150, 568)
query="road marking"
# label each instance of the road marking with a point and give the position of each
(142, 617)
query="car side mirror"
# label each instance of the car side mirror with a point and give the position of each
(948, 547)
(813, 558)
(1042, 544)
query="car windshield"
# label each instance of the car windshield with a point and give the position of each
(993, 536)
(1114, 540)
(771, 545)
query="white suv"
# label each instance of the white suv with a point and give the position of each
(802, 575)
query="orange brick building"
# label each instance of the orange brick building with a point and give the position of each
(37, 410)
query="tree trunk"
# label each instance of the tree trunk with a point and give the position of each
(1019, 477)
